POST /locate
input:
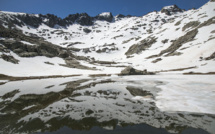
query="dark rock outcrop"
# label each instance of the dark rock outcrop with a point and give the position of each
(176, 44)
(189, 36)
(85, 19)
(131, 71)
(212, 56)
(119, 16)
(141, 46)
(9, 58)
(171, 10)
(30, 20)
(191, 24)
(136, 91)
(51, 20)
(41, 48)
(86, 30)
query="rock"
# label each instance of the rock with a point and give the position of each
(189, 36)
(165, 41)
(191, 24)
(103, 50)
(4, 49)
(86, 30)
(49, 63)
(41, 48)
(212, 0)
(163, 20)
(107, 16)
(9, 58)
(85, 19)
(156, 60)
(141, 46)
(73, 63)
(131, 71)
(52, 20)
(136, 91)
(104, 62)
(89, 112)
(86, 50)
(212, 56)
(98, 31)
(10, 94)
(207, 23)
(28, 54)
(63, 54)
(82, 19)
(120, 16)
(169, 10)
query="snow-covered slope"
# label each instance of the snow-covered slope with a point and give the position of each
(171, 39)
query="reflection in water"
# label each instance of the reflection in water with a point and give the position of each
(93, 105)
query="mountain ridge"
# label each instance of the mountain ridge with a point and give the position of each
(81, 18)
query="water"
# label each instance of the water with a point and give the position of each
(130, 104)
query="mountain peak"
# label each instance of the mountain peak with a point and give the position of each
(172, 9)
(107, 16)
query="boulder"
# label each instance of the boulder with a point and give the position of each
(86, 30)
(132, 71)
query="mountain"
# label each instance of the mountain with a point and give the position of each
(170, 41)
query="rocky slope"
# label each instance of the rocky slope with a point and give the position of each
(161, 41)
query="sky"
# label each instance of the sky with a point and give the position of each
(63, 8)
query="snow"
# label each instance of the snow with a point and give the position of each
(27, 43)
(37, 86)
(28, 107)
(173, 94)
(168, 7)
(188, 93)
(12, 13)
(117, 33)
(105, 14)
(3, 81)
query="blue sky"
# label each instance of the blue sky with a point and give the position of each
(63, 8)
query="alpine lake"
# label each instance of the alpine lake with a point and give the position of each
(151, 104)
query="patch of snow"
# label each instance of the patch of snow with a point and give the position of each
(105, 14)
(27, 43)
(28, 107)
(188, 93)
